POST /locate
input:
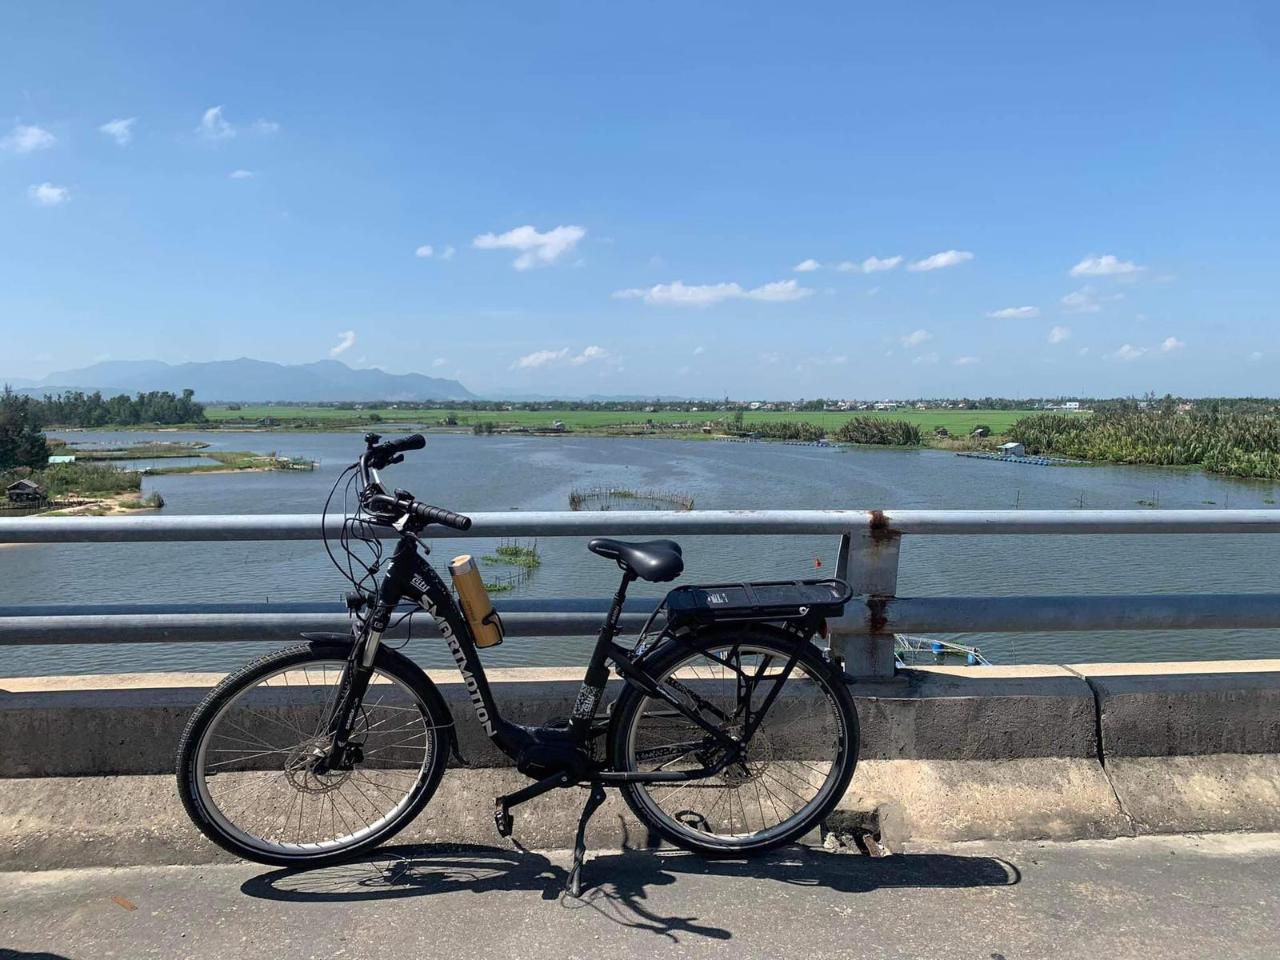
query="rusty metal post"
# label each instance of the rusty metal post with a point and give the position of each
(868, 562)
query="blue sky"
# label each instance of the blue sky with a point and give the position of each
(1018, 199)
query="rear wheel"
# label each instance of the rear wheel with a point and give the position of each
(794, 769)
(250, 770)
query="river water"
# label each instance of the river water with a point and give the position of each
(536, 473)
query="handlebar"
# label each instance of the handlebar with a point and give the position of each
(430, 514)
(379, 455)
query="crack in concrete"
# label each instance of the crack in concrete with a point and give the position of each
(1101, 749)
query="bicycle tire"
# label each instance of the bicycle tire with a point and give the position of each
(204, 813)
(667, 658)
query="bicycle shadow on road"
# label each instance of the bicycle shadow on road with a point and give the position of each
(618, 885)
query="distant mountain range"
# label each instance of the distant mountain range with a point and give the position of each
(249, 381)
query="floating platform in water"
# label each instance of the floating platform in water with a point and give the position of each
(1034, 461)
(910, 650)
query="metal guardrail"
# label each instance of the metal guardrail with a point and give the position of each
(868, 559)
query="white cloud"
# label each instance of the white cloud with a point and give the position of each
(48, 195)
(702, 295)
(931, 357)
(779, 291)
(121, 130)
(425, 251)
(770, 357)
(1015, 313)
(1059, 334)
(439, 361)
(590, 354)
(697, 295)
(25, 139)
(543, 358)
(966, 361)
(699, 351)
(1171, 343)
(916, 337)
(536, 249)
(683, 371)
(346, 340)
(1127, 353)
(806, 266)
(241, 175)
(214, 126)
(1087, 300)
(879, 264)
(265, 127)
(1255, 356)
(947, 258)
(1106, 265)
(869, 265)
(539, 358)
(447, 253)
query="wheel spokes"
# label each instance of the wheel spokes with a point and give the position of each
(262, 762)
(791, 733)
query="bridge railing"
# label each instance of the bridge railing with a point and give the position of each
(870, 543)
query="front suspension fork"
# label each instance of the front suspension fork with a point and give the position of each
(342, 754)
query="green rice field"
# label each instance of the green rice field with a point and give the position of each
(956, 421)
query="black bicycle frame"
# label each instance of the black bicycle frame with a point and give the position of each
(410, 577)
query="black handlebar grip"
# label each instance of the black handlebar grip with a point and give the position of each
(415, 441)
(448, 518)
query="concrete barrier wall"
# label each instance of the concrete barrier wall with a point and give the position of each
(1059, 752)
(130, 724)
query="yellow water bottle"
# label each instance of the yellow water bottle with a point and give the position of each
(486, 626)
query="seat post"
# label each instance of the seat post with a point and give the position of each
(597, 675)
(609, 629)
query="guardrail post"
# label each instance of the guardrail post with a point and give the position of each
(868, 562)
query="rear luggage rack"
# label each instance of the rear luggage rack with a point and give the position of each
(769, 600)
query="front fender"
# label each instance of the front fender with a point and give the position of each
(430, 693)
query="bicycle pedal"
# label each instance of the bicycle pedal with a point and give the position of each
(503, 820)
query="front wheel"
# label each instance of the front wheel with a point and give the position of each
(791, 772)
(250, 767)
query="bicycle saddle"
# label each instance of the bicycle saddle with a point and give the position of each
(653, 560)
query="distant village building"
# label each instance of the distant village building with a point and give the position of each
(24, 491)
(1012, 449)
(980, 432)
(63, 458)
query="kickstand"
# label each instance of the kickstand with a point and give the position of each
(573, 886)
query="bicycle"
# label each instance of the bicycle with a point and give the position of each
(732, 734)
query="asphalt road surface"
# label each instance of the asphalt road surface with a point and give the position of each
(1168, 897)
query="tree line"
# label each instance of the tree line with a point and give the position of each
(77, 409)
(22, 443)
(1221, 439)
